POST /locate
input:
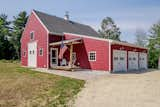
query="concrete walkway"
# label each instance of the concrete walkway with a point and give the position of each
(80, 74)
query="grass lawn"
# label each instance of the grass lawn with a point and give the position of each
(22, 87)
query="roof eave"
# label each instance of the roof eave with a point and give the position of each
(54, 33)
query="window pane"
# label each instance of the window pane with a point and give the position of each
(92, 56)
(53, 61)
(53, 53)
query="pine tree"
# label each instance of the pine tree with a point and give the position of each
(18, 27)
(154, 45)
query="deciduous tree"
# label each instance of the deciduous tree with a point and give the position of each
(109, 29)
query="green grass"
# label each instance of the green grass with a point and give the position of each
(22, 87)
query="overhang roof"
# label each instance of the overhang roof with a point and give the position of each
(73, 41)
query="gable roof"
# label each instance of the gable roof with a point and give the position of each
(59, 25)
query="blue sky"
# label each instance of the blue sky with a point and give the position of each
(129, 15)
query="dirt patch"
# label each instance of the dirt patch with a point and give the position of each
(122, 90)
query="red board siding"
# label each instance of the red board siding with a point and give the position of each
(89, 44)
(127, 48)
(40, 35)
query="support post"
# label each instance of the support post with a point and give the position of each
(71, 51)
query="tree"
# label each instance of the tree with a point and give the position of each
(18, 27)
(154, 45)
(141, 38)
(7, 49)
(109, 29)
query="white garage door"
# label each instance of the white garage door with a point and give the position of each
(32, 54)
(132, 60)
(119, 60)
(143, 60)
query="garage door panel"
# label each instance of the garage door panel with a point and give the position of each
(119, 60)
(143, 60)
(132, 60)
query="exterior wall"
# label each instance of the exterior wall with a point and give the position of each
(127, 48)
(40, 36)
(102, 53)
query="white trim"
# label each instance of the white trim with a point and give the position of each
(47, 36)
(40, 20)
(127, 44)
(89, 56)
(28, 53)
(56, 57)
(91, 37)
(108, 40)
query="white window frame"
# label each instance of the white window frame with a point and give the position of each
(89, 55)
(24, 53)
(40, 50)
(33, 35)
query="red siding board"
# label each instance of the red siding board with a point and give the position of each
(89, 44)
(40, 35)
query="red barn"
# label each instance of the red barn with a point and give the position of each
(44, 35)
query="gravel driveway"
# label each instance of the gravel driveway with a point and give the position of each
(121, 90)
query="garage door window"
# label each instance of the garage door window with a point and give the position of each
(121, 58)
(134, 59)
(92, 56)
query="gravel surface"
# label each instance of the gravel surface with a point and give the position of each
(121, 90)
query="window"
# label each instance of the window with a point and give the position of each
(24, 53)
(130, 58)
(92, 56)
(41, 51)
(134, 58)
(32, 35)
(121, 58)
(115, 58)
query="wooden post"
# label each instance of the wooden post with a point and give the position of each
(71, 51)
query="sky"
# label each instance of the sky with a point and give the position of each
(129, 15)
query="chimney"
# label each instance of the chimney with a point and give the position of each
(66, 16)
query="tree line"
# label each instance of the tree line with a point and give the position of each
(10, 34)
(11, 31)
(150, 39)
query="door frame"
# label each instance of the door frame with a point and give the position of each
(31, 65)
(56, 49)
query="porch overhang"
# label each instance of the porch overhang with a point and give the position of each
(67, 42)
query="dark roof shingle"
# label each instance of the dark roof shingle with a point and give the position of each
(59, 25)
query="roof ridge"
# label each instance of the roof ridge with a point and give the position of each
(61, 18)
(59, 25)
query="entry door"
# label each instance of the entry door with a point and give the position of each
(54, 56)
(143, 60)
(132, 60)
(119, 60)
(32, 54)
